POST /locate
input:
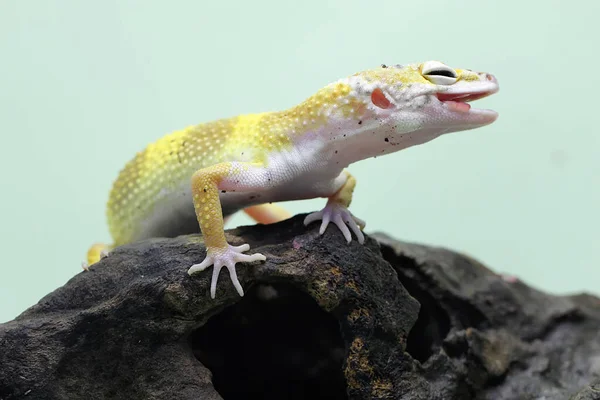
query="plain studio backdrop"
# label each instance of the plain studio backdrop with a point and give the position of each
(85, 85)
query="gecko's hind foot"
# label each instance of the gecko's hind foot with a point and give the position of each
(227, 257)
(341, 217)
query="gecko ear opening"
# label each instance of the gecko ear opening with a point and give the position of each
(380, 100)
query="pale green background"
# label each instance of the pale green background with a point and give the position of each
(86, 84)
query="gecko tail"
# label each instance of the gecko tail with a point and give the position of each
(96, 253)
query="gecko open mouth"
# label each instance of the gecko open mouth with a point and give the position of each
(459, 101)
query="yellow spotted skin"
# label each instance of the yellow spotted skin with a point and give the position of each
(409, 75)
(205, 192)
(174, 159)
(248, 161)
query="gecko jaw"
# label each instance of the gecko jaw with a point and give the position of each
(459, 102)
(463, 97)
(457, 98)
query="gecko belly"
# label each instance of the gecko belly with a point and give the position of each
(174, 213)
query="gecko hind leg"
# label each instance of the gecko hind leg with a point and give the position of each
(267, 213)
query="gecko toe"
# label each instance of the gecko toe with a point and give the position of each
(228, 258)
(342, 218)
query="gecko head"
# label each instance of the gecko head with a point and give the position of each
(429, 94)
(414, 103)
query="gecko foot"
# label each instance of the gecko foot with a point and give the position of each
(341, 217)
(227, 257)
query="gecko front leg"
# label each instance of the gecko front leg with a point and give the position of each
(206, 184)
(336, 211)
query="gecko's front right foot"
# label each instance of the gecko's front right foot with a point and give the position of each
(341, 217)
(227, 257)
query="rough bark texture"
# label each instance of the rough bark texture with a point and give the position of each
(320, 320)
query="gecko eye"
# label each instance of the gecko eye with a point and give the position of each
(438, 73)
(449, 74)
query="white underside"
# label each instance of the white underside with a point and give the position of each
(290, 175)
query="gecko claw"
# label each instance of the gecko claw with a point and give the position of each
(341, 217)
(226, 258)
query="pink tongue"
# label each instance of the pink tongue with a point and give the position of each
(458, 106)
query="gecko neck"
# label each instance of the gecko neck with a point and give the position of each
(344, 146)
(348, 142)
